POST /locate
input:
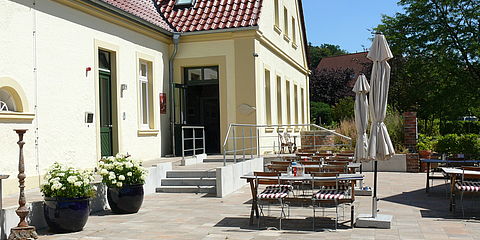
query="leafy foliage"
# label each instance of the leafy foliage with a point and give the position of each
(344, 109)
(320, 111)
(468, 144)
(394, 122)
(67, 182)
(426, 142)
(460, 127)
(121, 170)
(329, 86)
(436, 69)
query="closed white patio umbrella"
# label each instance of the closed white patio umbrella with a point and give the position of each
(361, 89)
(379, 145)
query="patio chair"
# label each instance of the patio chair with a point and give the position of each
(468, 183)
(275, 191)
(286, 143)
(334, 168)
(332, 194)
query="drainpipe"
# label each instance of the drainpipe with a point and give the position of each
(176, 40)
(35, 82)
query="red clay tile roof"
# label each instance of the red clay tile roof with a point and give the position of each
(354, 61)
(143, 9)
(211, 14)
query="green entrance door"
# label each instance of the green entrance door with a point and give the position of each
(105, 113)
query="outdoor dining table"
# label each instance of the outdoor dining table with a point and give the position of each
(1, 178)
(251, 178)
(453, 173)
(447, 162)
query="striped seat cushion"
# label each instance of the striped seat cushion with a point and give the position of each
(326, 194)
(282, 186)
(468, 186)
(272, 192)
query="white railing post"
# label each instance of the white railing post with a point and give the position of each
(251, 143)
(234, 146)
(183, 143)
(194, 141)
(243, 142)
(203, 136)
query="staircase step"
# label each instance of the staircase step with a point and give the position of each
(216, 160)
(189, 182)
(191, 174)
(187, 189)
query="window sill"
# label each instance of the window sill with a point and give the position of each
(294, 45)
(269, 130)
(286, 38)
(277, 29)
(16, 117)
(148, 132)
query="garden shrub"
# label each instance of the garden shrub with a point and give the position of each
(322, 110)
(460, 127)
(468, 144)
(344, 109)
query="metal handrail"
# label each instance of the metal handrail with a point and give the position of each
(194, 139)
(257, 127)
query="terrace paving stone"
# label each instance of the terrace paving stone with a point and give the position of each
(417, 215)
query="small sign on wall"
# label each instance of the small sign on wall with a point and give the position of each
(163, 103)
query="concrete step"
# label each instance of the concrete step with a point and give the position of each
(189, 182)
(239, 159)
(187, 189)
(191, 174)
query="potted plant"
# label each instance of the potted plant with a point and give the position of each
(124, 178)
(67, 192)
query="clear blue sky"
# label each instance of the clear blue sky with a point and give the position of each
(345, 22)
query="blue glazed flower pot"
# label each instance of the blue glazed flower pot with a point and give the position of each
(66, 214)
(127, 199)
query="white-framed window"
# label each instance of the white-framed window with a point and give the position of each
(285, 21)
(277, 17)
(143, 77)
(268, 99)
(294, 37)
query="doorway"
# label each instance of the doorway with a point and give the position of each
(107, 103)
(202, 105)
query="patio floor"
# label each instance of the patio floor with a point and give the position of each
(417, 215)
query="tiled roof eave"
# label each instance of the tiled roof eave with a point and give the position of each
(119, 12)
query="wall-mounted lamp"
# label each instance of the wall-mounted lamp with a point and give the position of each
(255, 54)
(123, 87)
(88, 69)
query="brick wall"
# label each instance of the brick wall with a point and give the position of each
(310, 139)
(410, 130)
(413, 162)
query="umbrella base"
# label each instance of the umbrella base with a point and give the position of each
(363, 192)
(367, 221)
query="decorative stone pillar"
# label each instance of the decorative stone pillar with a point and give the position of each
(23, 231)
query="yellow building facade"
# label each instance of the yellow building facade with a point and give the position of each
(65, 64)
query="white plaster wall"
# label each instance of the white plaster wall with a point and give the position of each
(279, 67)
(65, 48)
(267, 22)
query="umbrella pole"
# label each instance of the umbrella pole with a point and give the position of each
(374, 198)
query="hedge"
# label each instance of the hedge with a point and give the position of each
(468, 144)
(459, 127)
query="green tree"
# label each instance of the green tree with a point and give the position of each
(316, 53)
(436, 47)
(321, 113)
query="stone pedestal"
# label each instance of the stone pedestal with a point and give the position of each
(23, 233)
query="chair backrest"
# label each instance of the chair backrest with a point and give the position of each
(267, 181)
(310, 162)
(291, 158)
(470, 176)
(324, 183)
(339, 163)
(334, 168)
(281, 163)
(278, 168)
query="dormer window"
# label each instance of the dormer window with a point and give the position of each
(184, 3)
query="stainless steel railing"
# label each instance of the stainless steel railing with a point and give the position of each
(191, 140)
(246, 140)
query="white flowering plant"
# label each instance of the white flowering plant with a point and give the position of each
(121, 170)
(68, 182)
